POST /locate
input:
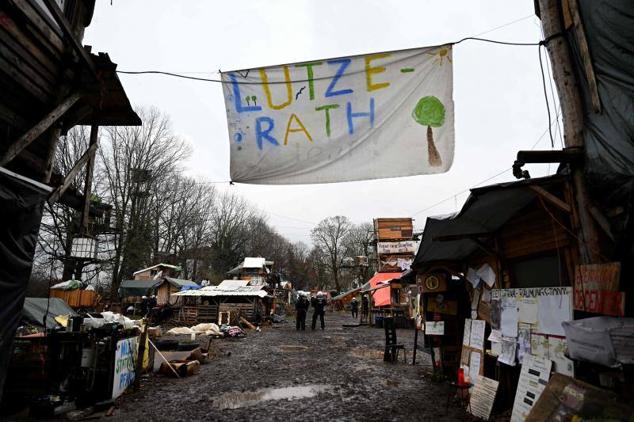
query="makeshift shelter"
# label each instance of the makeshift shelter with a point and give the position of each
(255, 270)
(163, 288)
(157, 271)
(232, 298)
(36, 308)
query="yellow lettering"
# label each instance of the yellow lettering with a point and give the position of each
(371, 70)
(267, 90)
(299, 128)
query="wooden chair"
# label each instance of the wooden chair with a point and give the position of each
(392, 348)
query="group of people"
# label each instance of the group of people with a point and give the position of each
(302, 304)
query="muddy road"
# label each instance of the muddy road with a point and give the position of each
(281, 374)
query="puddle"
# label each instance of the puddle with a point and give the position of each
(292, 348)
(236, 400)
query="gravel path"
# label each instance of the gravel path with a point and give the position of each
(280, 374)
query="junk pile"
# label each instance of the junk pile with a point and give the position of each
(64, 360)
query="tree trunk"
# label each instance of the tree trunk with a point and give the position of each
(432, 152)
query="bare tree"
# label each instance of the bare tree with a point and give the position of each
(135, 162)
(358, 242)
(329, 235)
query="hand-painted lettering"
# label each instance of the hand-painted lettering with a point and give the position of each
(310, 76)
(237, 97)
(299, 128)
(327, 109)
(350, 115)
(372, 70)
(267, 89)
(262, 133)
(343, 64)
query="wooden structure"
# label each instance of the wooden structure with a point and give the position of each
(77, 298)
(157, 271)
(234, 296)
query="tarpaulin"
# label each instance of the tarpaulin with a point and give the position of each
(362, 117)
(382, 296)
(609, 135)
(35, 308)
(21, 205)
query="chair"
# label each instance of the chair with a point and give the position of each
(392, 348)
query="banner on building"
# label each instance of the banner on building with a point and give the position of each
(362, 117)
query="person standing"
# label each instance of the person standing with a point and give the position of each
(301, 309)
(354, 307)
(319, 305)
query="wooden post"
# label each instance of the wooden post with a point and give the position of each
(139, 359)
(572, 113)
(90, 168)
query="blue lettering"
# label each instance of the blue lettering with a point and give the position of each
(237, 97)
(264, 133)
(352, 115)
(344, 64)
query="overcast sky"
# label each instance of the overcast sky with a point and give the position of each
(498, 94)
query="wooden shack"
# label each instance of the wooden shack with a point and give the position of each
(231, 299)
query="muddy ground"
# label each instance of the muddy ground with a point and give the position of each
(337, 374)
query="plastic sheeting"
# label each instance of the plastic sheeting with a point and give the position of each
(36, 307)
(609, 135)
(21, 205)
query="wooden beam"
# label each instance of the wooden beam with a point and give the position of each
(33, 133)
(551, 198)
(90, 168)
(573, 119)
(584, 52)
(602, 221)
(58, 15)
(57, 193)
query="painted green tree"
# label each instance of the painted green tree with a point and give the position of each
(430, 112)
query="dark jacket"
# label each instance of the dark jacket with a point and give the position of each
(302, 304)
(319, 304)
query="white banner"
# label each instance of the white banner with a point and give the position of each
(352, 118)
(407, 246)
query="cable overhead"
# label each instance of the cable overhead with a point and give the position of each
(220, 81)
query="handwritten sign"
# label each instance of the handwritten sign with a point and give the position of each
(407, 246)
(596, 289)
(124, 369)
(476, 339)
(351, 118)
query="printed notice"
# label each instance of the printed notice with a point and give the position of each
(483, 397)
(533, 379)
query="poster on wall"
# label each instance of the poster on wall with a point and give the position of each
(435, 328)
(362, 117)
(124, 369)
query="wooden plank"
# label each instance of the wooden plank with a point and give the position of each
(26, 139)
(551, 198)
(45, 29)
(584, 52)
(70, 36)
(68, 179)
(17, 34)
(90, 168)
(27, 68)
(14, 73)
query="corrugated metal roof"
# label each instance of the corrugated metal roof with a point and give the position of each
(179, 282)
(230, 284)
(214, 291)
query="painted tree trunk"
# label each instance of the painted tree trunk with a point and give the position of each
(432, 152)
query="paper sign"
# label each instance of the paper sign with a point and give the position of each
(406, 246)
(552, 311)
(533, 379)
(472, 277)
(523, 341)
(349, 118)
(510, 317)
(476, 340)
(482, 398)
(475, 360)
(557, 354)
(466, 338)
(486, 273)
(596, 289)
(527, 310)
(435, 328)
(507, 356)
